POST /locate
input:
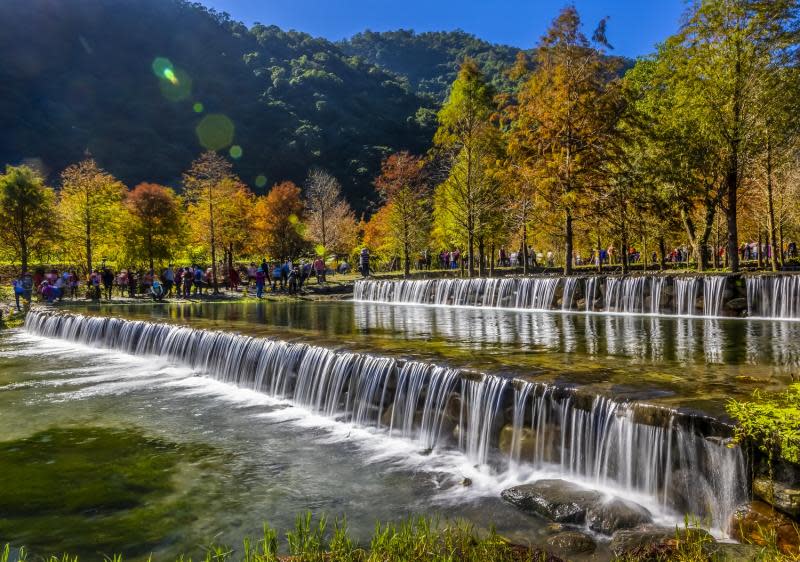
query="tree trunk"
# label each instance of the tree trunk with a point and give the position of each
(481, 258)
(213, 242)
(23, 247)
(599, 255)
(406, 261)
(491, 261)
(759, 254)
(771, 210)
(624, 252)
(150, 248)
(524, 248)
(568, 242)
(662, 249)
(89, 246)
(470, 254)
(230, 263)
(730, 217)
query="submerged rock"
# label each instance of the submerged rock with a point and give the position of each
(781, 495)
(557, 500)
(737, 305)
(571, 542)
(527, 441)
(689, 492)
(757, 523)
(609, 516)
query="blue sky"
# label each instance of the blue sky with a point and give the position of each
(634, 28)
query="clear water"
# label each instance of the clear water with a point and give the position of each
(234, 458)
(695, 364)
(241, 458)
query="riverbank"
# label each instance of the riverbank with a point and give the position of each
(423, 540)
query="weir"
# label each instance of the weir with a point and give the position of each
(706, 296)
(514, 428)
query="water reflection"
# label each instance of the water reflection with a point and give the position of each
(696, 363)
(657, 339)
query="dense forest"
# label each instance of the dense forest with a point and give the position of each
(78, 77)
(570, 153)
(429, 61)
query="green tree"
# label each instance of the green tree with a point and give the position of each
(218, 205)
(26, 212)
(469, 146)
(727, 55)
(90, 208)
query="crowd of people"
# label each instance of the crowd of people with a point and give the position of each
(179, 282)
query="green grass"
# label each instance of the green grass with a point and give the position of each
(420, 540)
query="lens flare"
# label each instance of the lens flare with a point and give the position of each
(236, 152)
(161, 65)
(198, 107)
(261, 181)
(175, 84)
(215, 131)
(169, 74)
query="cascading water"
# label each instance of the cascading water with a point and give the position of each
(591, 292)
(570, 284)
(625, 294)
(532, 293)
(605, 444)
(713, 291)
(773, 296)
(685, 295)
(598, 441)
(656, 289)
(777, 297)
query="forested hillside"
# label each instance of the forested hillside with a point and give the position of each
(130, 81)
(430, 60)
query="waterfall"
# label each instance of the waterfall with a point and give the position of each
(591, 291)
(604, 443)
(533, 293)
(773, 296)
(656, 288)
(768, 296)
(685, 295)
(713, 291)
(627, 447)
(625, 294)
(570, 284)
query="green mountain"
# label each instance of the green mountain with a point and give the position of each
(130, 81)
(429, 61)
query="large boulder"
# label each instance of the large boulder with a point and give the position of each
(783, 496)
(758, 523)
(651, 542)
(565, 502)
(614, 514)
(557, 500)
(570, 543)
